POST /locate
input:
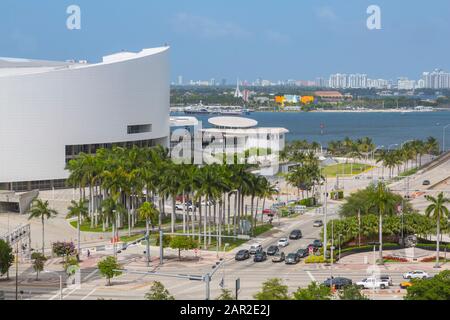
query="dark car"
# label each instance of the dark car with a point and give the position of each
(317, 243)
(260, 256)
(292, 258)
(242, 255)
(295, 234)
(426, 182)
(278, 257)
(272, 250)
(303, 253)
(338, 282)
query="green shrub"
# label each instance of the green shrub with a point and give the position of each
(337, 195)
(316, 259)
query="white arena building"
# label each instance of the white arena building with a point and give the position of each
(52, 111)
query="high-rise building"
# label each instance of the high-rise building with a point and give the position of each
(438, 79)
(180, 80)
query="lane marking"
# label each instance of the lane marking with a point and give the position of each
(311, 276)
(89, 294)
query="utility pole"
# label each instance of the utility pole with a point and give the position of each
(325, 220)
(17, 271)
(161, 250)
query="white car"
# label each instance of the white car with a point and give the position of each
(188, 207)
(373, 283)
(283, 242)
(254, 248)
(416, 274)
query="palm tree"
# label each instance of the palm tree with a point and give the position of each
(383, 200)
(437, 210)
(148, 212)
(79, 210)
(41, 209)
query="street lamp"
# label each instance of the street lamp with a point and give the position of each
(443, 137)
(340, 235)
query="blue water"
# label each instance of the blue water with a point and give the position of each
(384, 128)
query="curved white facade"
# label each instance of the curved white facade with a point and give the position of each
(47, 106)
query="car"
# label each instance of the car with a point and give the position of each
(372, 283)
(303, 253)
(260, 256)
(405, 284)
(242, 255)
(254, 248)
(278, 257)
(387, 278)
(416, 274)
(292, 258)
(295, 234)
(318, 223)
(317, 243)
(273, 250)
(337, 282)
(283, 242)
(267, 211)
(426, 183)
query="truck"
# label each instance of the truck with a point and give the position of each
(373, 283)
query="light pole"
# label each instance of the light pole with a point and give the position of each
(325, 220)
(114, 224)
(340, 235)
(443, 137)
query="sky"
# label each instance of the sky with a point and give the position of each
(246, 39)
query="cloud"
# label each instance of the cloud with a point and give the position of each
(275, 36)
(206, 27)
(326, 13)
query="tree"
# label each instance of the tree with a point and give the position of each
(108, 268)
(158, 292)
(436, 288)
(226, 295)
(182, 243)
(437, 210)
(148, 212)
(38, 262)
(41, 209)
(79, 210)
(63, 249)
(313, 292)
(352, 292)
(273, 289)
(6, 258)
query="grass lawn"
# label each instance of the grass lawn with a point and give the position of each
(409, 172)
(345, 168)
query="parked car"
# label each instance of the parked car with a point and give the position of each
(405, 284)
(295, 234)
(338, 282)
(283, 242)
(278, 257)
(303, 253)
(373, 283)
(416, 274)
(317, 243)
(388, 279)
(426, 182)
(254, 248)
(260, 256)
(292, 258)
(318, 223)
(267, 211)
(273, 250)
(242, 255)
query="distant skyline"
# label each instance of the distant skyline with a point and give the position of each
(274, 40)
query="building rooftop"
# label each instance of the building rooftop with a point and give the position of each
(18, 66)
(233, 122)
(183, 121)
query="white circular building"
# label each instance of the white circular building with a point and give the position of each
(52, 111)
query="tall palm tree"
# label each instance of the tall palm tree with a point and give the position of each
(41, 209)
(148, 212)
(78, 209)
(383, 200)
(437, 210)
